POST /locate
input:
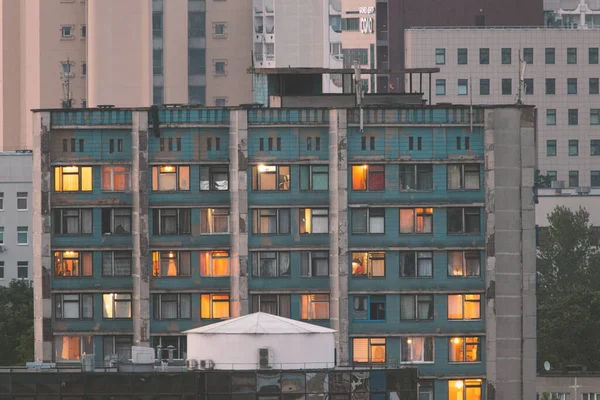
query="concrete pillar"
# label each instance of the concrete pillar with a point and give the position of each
(238, 190)
(140, 232)
(41, 240)
(510, 253)
(338, 236)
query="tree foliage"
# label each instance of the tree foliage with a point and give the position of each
(568, 293)
(16, 323)
(542, 181)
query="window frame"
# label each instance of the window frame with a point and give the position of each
(506, 86)
(59, 176)
(418, 299)
(23, 196)
(464, 301)
(484, 56)
(59, 306)
(282, 270)
(367, 257)
(161, 172)
(550, 55)
(462, 87)
(463, 171)
(573, 146)
(427, 342)
(440, 56)
(213, 299)
(551, 148)
(594, 116)
(367, 183)
(440, 87)
(259, 213)
(573, 179)
(116, 255)
(61, 217)
(312, 214)
(594, 86)
(307, 264)
(371, 346)
(207, 259)
(417, 173)
(571, 55)
(462, 56)
(463, 385)
(208, 217)
(506, 55)
(573, 116)
(465, 256)
(594, 147)
(309, 172)
(82, 257)
(183, 222)
(115, 301)
(284, 308)
(465, 342)
(416, 256)
(208, 175)
(157, 306)
(367, 215)
(308, 304)
(113, 215)
(550, 84)
(368, 311)
(420, 216)
(551, 117)
(464, 213)
(182, 261)
(283, 181)
(108, 171)
(484, 90)
(85, 344)
(572, 86)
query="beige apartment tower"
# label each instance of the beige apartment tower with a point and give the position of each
(121, 53)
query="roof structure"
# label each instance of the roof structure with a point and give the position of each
(260, 324)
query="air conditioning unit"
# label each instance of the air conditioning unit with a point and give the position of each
(191, 365)
(207, 364)
(265, 357)
(583, 190)
(558, 184)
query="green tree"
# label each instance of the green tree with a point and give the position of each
(568, 296)
(542, 181)
(16, 323)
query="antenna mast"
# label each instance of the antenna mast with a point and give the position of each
(66, 85)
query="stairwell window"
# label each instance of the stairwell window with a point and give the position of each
(464, 306)
(72, 264)
(171, 178)
(116, 305)
(365, 264)
(73, 179)
(214, 263)
(214, 306)
(368, 350)
(171, 263)
(314, 306)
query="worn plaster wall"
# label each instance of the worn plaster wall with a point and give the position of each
(510, 255)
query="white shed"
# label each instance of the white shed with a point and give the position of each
(261, 340)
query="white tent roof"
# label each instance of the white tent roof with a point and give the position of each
(260, 323)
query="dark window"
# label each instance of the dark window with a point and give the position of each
(440, 56)
(271, 221)
(261, 144)
(271, 264)
(416, 177)
(551, 116)
(480, 20)
(208, 144)
(214, 178)
(595, 178)
(571, 85)
(507, 86)
(550, 55)
(416, 264)
(528, 55)
(276, 304)
(464, 220)
(314, 264)
(484, 56)
(484, 87)
(368, 308)
(73, 221)
(462, 56)
(529, 86)
(573, 178)
(595, 147)
(171, 306)
(416, 307)
(270, 144)
(573, 147)
(116, 221)
(22, 269)
(573, 116)
(594, 86)
(196, 24)
(440, 87)
(411, 143)
(593, 55)
(550, 148)
(171, 221)
(506, 56)
(572, 55)
(550, 86)
(350, 24)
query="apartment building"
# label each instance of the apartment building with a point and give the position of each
(161, 222)
(84, 52)
(16, 205)
(561, 79)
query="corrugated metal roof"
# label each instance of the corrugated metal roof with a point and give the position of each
(260, 323)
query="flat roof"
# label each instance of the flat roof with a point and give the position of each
(343, 71)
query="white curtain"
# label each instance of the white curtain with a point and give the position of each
(454, 177)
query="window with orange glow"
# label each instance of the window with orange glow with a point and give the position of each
(71, 348)
(416, 220)
(314, 306)
(171, 263)
(368, 264)
(116, 178)
(214, 306)
(214, 220)
(464, 263)
(167, 178)
(368, 350)
(73, 179)
(72, 263)
(464, 349)
(214, 263)
(271, 177)
(464, 306)
(368, 177)
(314, 220)
(467, 389)
(116, 305)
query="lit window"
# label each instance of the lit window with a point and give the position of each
(171, 221)
(171, 306)
(368, 264)
(73, 179)
(116, 305)
(214, 306)
(314, 220)
(314, 177)
(368, 177)
(271, 264)
(416, 177)
(276, 304)
(368, 220)
(416, 264)
(214, 220)
(314, 306)
(416, 349)
(116, 178)
(416, 220)
(71, 348)
(72, 263)
(368, 350)
(73, 221)
(116, 263)
(314, 264)
(468, 389)
(170, 178)
(464, 220)
(74, 306)
(464, 306)
(116, 221)
(22, 235)
(368, 308)
(270, 177)
(463, 176)
(214, 178)
(464, 349)
(464, 263)
(214, 263)
(416, 307)
(22, 201)
(171, 263)
(271, 221)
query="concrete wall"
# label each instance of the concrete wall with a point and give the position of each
(572, 385)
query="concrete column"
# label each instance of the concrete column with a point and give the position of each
(41, 230)
(140, 232)
(338, 236)
(510, 253)
(238, 190)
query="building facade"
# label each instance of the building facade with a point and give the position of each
(161, 222)
(16, 205)
(561, 79)
(185, 51)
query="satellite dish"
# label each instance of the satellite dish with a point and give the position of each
(546, 365)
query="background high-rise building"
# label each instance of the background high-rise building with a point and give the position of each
(124, 53)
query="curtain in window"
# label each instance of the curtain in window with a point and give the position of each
(86, 221)
(268, 264)
(268, 304)
(425, 177)
(305, 264)
(359, 220)
(321, 264)
(221, 222)
(425, 307)
(168, 266)
(407, 307)
(407, 264)
(455, 259)
(320, 222)
(284, 264)
(407, 177)
(71, 221)
(471, 176)
(70, 306)
(407, 220)
(168, 306)
(107, 263)
(185, 305)
(320, 307)
(359, 177)
(67, 348)
(376, 177)
(417, 349)
(122, 264)
(473, 265)
(425, 264)
(167, 181)
(377, 221)
(378, 267)
(169, 222)
(424, 223)
(285, 306)
(454, 176)
(220, 306)
(220, 181)
(360, 350)
(122, 307)
(360, 307)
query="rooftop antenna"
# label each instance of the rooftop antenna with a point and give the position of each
(66, 85)
(358, 89)
(522, 68)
